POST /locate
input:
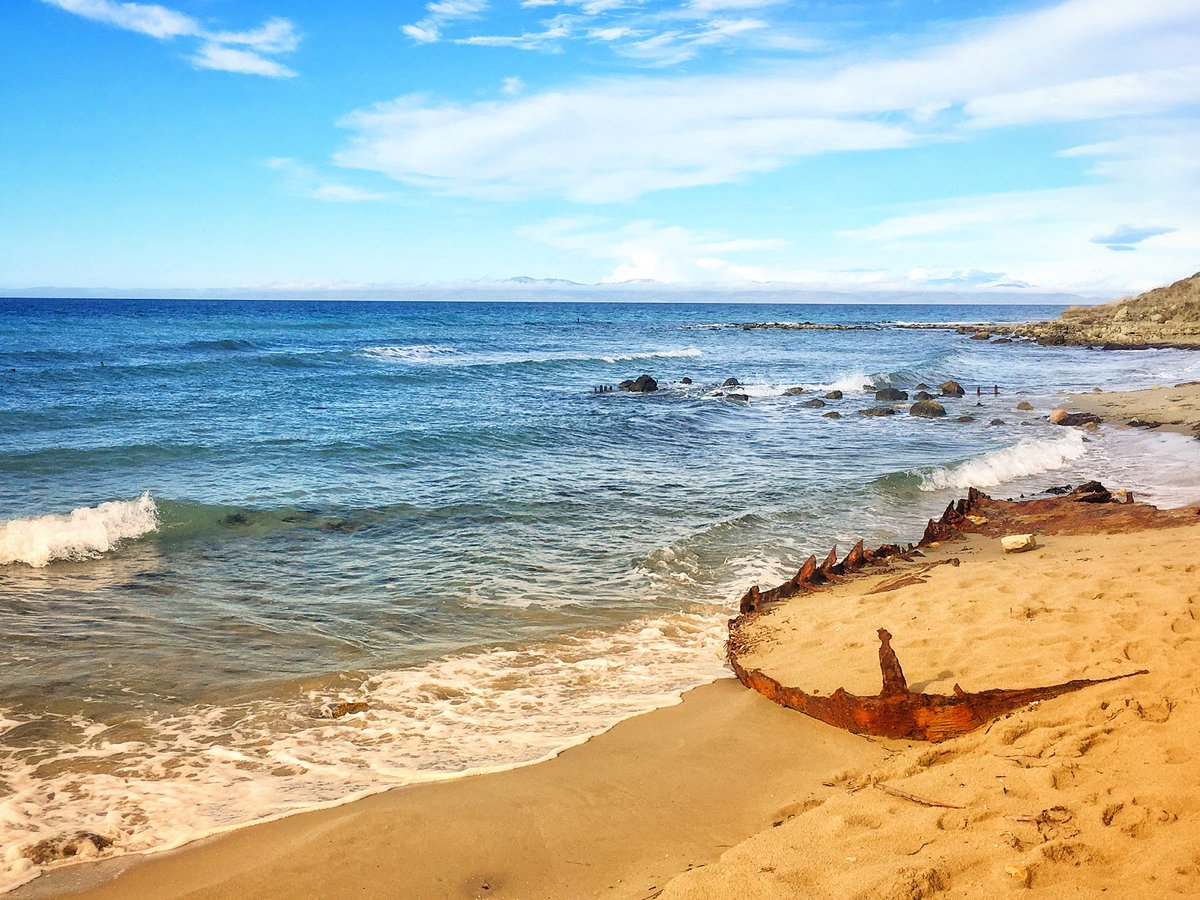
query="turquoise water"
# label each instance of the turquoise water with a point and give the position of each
(220, 517)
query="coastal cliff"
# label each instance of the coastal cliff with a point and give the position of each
(1165, 316)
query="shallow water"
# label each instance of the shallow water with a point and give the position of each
(221, 517)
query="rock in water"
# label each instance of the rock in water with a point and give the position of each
(922, 395)
(981, 336)
(1025, 406)
(890, 393)
(927, 409)
(643, 384)
(877, 411)
(1062, 417)
(813, 404)
(731, 382)
(834, 395)
(793, 391)
(744, 398)
(951, 389)
(685, 380)
(831, 415)
(965, 419)
(1018, 543)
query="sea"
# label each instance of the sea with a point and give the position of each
(219, 520)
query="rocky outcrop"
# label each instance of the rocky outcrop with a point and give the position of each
(1164, 317)
(643, 384)
(927, 409)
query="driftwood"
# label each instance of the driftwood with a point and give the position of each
(897, 712)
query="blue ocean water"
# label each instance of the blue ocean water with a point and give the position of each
(218, 518)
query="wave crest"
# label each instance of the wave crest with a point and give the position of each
(1029, 457)
(81, 534)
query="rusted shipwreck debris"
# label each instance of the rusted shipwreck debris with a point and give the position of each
(897, 712)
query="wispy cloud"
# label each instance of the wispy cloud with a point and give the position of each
(306, 181)
(438, 14)
(246, 52)
(1126, 237)
(620, 138)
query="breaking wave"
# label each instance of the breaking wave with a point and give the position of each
(83, 533)
(450, 356)
(1029, 457)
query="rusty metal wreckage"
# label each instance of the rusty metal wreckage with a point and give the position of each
(896, 711)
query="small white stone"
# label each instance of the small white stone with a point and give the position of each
(1017, 543)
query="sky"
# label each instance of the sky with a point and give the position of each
(301, 145)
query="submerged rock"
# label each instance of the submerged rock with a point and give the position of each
(685, 380)
(877, 411)
(927, 409)
(831, 415)
(923, 395)
(997, 422)
(731, 382)
(80, 844)
(794, 391)
(813, 403)
(965, 419)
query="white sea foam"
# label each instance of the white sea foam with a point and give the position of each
(1030, 457)
(210, 769)
(83, 533)
(450, 356)
(852, 381)
(409, 353)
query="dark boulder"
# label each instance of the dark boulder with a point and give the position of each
(877, 411)
(794, 391)
(685, 380)
(831, 415)
(813, 403)
(996, 422)
(923, 395)
(643, 384)
(927, 409)
(951, 389)
(922, 386)
(834, 395)
(742, 398)
(891, 393)
(965, 419)
(731, 382)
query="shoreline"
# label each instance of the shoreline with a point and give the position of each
(252, 860)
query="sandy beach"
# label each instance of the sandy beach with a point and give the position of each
(728, 794)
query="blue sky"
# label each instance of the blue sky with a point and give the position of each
(844, 145)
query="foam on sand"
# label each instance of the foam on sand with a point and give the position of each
(81, 534)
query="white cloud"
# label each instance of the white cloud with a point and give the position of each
(247, 52)
(231, 59)
(646, 249)
(511, 86)
(438, 14)
(619, 138)
(306, 181)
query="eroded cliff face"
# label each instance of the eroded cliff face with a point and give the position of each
(1164, 316)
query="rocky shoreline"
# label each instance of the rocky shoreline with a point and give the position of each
(1164, 318)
